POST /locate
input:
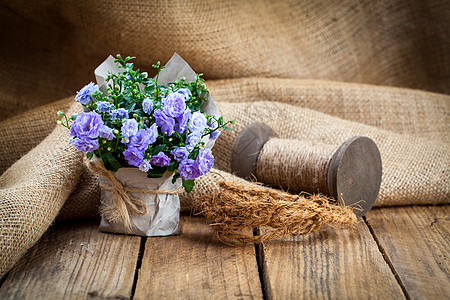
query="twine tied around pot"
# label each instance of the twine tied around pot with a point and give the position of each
(122, 204)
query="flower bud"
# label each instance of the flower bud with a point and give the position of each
(116, 131)
(60, 113)
(59, 122)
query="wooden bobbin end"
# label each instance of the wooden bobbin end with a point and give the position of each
(247, 147)
(354, 174)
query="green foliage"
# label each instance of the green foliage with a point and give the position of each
(188, 185)
(127, 90)
(156, 172)
(175, 177)
(110, 162)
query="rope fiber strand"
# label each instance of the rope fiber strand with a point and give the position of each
(236, 209)
(122, 204)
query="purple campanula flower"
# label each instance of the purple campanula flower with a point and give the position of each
(87, 125)
(84, 95)
(213, 124)
(120, 113)
(204, 161)
(189, 148)
(174, 105)
(147, 105)
(194, 138)
(188, 169)
(106, 133)
(140, 140)
(180, 154)
(145, 166)
(84, 145)
(186, 93)
(182, 121)
(103, 106)
(129, 128)
(164, 122)
(133, 156)
(152, 133)
(197, 123)
(128, 77)
(160, 160)
(215, 134)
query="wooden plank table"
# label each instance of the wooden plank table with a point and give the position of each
(394, 253)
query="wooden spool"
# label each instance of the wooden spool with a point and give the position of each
(353, 175)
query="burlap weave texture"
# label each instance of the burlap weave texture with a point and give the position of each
(389, 43)
(413, 172)
(32, 192)
(313, 70)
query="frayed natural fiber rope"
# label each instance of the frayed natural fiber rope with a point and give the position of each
(236, 209)
(122, 204)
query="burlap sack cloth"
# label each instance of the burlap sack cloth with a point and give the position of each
(319, 70)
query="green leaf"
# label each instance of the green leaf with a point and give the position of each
(194, 153)
(188, 185)
(110, 162)
(156, 172)
(157, 149)
(196, 106)
(228, 128)
(175, 178)
(149, 88)
(173, 165)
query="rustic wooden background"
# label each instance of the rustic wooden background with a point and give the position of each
(393, 253)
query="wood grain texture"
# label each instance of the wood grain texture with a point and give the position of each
(329, 264)
(195, 265)
(75, 262)
(417, 242)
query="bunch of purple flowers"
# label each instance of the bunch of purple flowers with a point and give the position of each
(139, 123)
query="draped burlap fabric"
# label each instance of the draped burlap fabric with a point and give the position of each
(313, 70)
(59, 43)
(33, 190)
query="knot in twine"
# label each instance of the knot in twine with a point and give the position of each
(122, 204)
